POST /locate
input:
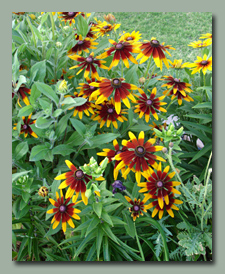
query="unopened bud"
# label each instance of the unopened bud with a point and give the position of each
(171, 144)
(180, 131)
(104, 163)
(142, 80)
(169, 133)
(66, 28)
(43, 191)
(172, 127)
(88, 193)
(63, 86)
(58, 44)
(164, 150)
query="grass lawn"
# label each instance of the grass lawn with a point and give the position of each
(174, 28)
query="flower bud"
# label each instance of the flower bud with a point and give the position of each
(142, 80)
(88, 193)
(164, 150)
(63, 86)
(169, 133)
(104, 163)
(32, 16)
(171, 127)
(58, 45)
(180, 131)
(66, 28)
(43, 191)
(170, 144)
(109, 18)
(157, 132)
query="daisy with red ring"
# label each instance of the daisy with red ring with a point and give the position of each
(110, 154)
(168, 207)
(159, 184)
(176, 88)
(22, 92)
(106, 88)
(87, 64)
(86, 90)
(69, 16)
(139, 155)
(82, 45)
(137, 207)
(106, 113)
(76, 179)
(63, 211)
(146, 105)
(121, 50)
(85, 108)
(156, 50)
(25, 127)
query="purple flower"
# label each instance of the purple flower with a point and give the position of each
(118, 184)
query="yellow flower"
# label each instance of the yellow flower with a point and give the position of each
(201, 63)
(177, 64)
(32, 16)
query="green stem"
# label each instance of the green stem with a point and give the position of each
(204, 198)
(204, 79)
(149, 63)
(146, 83)
(53, 25)
(29, 23)
(139, 245)
(169, 157)
(122, 69)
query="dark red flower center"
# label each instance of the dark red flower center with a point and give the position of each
(119, 46)
(25, 126)
(106, 27)
(79, 174)
(159, 184)
(129, 38)
(110, 110)
(62, 208)
(80, 42)
(136, 208)
(176, 80)
(89, 59)
(148, 102)
(91, 88)
(140, 151)
(155, 43)
(71, 14)
(116, 83)
(204, 62)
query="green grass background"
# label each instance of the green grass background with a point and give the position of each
(174, 28)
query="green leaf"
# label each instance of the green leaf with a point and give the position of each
(105, 216)
(81, 25)
(138, 128)
(15, 68)
(101, 139)
(204, 105)
(112, 207)
(57, 112)
(25, 196)
(47, 91)
(109, 232)
(38, 71)
(130, 229)
(41, 152)
(63, 150)
(79, 126)
(150, 245)
(42, 122)
(24, 211)
(22, 80)
(75, 139)
(99, 238)
(21, 150)
(106, 253)
(23, 244)
(26, 111)
(36, 249)
(104, 43)
(203, 151)
(97, 207)
(84, 242)
(206, 117)
(15, 176)
(35, 94)
(131, 75)
(62, 124)
(14, 240)
(93, 224)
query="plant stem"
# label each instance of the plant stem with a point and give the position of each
(169, 157)
(204, 198)
(122, 69)
(149, 63)
(139, 245)
(53, 25)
